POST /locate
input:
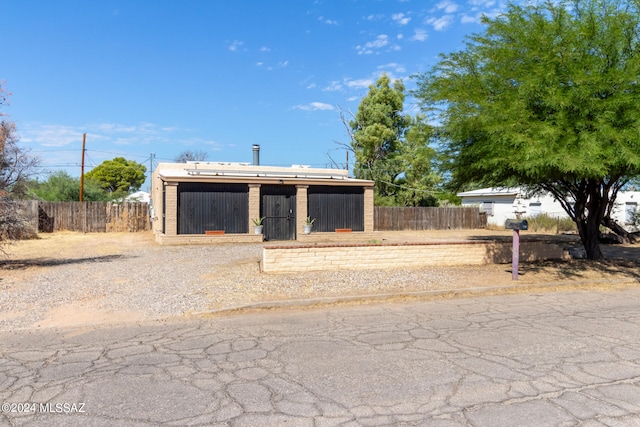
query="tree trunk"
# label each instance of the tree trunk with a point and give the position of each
(589, 230)
(617, 229)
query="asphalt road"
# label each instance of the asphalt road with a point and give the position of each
(548, 359)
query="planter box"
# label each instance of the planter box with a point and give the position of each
(214, 232)
(343, 230)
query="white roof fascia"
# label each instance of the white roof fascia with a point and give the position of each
(486, 192)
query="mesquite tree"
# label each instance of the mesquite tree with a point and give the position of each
(548, 96)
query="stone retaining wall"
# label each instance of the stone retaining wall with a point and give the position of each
(317, 257)
(201, 239)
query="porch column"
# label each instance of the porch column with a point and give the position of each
(254, 204)
(171, 209)
(301, 208)
(368, 209)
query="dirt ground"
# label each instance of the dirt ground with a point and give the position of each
(28, 261)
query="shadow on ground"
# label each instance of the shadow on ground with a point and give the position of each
(619, 260)
(563, 238)
(19, 264)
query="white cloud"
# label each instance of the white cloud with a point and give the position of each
(281, 64)
(447, 6)
(265, 49)
(51, 135)
(315, 106)
(466, 19)
(334, 86)
(327, 21)
(235, 45)
(199, 142)
(393, 66)
(360, 83)
(441, 23)
(419, 35)
(46, 135)
(490, 8)
(380, 41)
(400, 18)
(482, 3)
(376, 17)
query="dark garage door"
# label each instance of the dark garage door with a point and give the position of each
(336, 207)
(203, 207)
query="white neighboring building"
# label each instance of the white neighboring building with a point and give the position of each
(138, 196)
(626, 209)
(503, 203)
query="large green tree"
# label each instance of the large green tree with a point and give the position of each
(548, 96)
(417, 185)
(62, 187)
(118, 176)
(376, 133)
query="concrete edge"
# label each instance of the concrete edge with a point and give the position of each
(422, 295)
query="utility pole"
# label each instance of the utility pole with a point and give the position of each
(151, 156)
(84, 139)
(347, 164)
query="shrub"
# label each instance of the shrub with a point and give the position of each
(547, 223)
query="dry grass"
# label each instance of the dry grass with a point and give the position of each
(102, 259)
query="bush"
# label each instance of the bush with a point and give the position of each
(547, 223)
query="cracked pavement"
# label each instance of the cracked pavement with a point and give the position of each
(540, 359)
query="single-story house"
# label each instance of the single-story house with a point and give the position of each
(196, 202)
(502, 203)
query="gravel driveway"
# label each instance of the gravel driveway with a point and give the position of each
(70, 279)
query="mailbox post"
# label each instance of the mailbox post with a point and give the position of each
(516, 225)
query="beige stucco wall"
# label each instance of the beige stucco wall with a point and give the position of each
(171, 210)
(254, 204)
(368, 210)
(302, 212)
(278, 259)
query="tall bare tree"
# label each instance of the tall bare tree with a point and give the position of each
(16, 166)
(191, 156)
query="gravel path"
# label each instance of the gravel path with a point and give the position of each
(73, 279)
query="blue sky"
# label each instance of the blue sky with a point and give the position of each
(141, 76)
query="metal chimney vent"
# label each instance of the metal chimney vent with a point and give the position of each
(256, 155)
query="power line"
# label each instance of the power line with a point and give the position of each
(121, 154)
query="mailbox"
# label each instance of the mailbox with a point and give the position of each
(516, 224)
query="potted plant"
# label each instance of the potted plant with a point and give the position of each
(308, 224)
(257, 223)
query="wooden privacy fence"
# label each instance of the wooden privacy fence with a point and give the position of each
(404, 218)
(88, 217)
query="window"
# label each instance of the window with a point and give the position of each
(535, 209)
(487, 207)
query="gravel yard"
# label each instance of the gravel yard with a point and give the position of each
(71, 279)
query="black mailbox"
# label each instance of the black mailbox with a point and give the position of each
(516, 224)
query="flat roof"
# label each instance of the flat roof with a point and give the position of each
(242, 172)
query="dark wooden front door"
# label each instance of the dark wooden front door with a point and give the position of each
(278, 207)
